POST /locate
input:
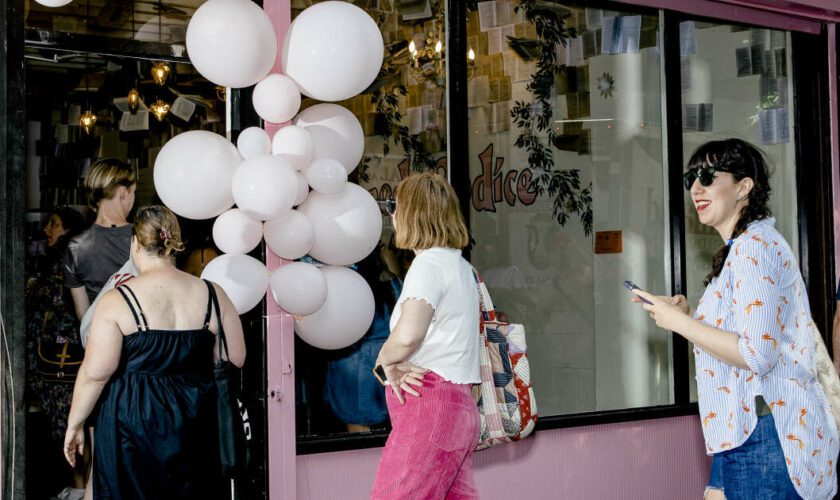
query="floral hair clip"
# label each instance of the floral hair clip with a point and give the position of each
(165, 235)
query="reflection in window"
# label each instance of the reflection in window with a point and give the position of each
(568, 195)
(735, 84)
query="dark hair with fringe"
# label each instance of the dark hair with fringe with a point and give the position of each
(742, 160)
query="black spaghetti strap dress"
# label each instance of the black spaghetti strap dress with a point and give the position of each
(156, 433)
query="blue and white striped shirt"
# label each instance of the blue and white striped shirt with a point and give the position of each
(760, 296)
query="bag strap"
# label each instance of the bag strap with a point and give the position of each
(214, 300)
(141, 325)
(485, 303)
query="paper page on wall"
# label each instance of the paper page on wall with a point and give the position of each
(629, 34)
(593, 17)
(494, 41)
(133, 122)
(62, 134)
(499, 120)
(774, 126)
(486, 15)
(591, 42)
(705, 117)
(479, 92)
(507, 30)
(685, 74)
(504, 12)
(743, 62)
(415, 120)
(607, 35)
(478, 119)
(690, 117)
(575, 52)
(687, 43)
(509, 62)
(122, 104)
(73, 114)
(523, 70)
(183, 108)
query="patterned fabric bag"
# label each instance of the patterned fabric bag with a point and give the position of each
(505, 397)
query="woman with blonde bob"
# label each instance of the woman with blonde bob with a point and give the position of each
(148, 371)
(432, 351)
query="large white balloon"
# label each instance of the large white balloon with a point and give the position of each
(276, 98)
(346, 314)
(333, 50)
(289, 236)
(299, 288)
(193, 172)
(231, 42)
(235, 232)
(327, 176)
(53, 3)
(253, 142)
(294, 144)
(303, 188)
(265, 187)
(336, 133)
(347, 225)
(243, 278)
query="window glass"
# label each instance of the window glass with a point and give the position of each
(569, 195)
(735, 83)
(403, 114)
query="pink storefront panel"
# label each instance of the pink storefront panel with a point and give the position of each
(643, 460)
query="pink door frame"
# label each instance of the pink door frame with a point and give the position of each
(571, 463)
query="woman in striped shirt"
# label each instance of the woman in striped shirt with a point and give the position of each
(766, 420)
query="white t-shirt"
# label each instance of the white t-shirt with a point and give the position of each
(443, 279)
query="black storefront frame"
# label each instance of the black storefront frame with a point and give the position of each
(815, 212)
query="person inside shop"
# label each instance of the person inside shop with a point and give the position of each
(98, 252)
(433, 351)
(94, 255)
(354, 396)
(53, 346)
(765, 417)
(149, 372)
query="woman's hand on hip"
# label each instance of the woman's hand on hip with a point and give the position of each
(74, 442)
(402, 376)
(670, 313)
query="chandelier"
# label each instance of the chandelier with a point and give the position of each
(428, 62)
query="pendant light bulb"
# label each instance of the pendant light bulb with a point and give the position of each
(133, 99)
(160, 72)
(87, 120)
(160, 108)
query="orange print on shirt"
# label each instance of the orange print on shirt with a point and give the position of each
(758, 239)
(768, 279)
(820, 433)
(724, 389)
(725, 445)
(767, 336)
(755, 303)
(711, 373)
(780, 402)
(718, 294)
(738, 284)
(749, 379)
(729, 420)
(708, 418)
(701, 317)
(788, 460)
(816, 452)
(745, 407)
(797, 481)
(753, 260)
(718, 322)
(784, 299)
(802, 413)
(799, 442)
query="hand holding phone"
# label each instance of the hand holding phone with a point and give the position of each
(630, 286)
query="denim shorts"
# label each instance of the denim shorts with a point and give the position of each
(756, 469)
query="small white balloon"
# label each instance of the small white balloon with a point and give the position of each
(276, 98)
(294, 144)
(347, 225)
(327, 176)
(346, 314)
(231, 42)
(253, 142)
(53, 3)
(336, 133)
(265, 187)
(299, 288)
(235, 232)
(243, 278)
(303, 188)
(193, 172)
(289, 236)
(333, 50)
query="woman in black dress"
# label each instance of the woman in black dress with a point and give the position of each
(148, 371)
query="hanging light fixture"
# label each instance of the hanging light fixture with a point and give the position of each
(133, 100)
(87, 120)
(160, 72)
(160, 108)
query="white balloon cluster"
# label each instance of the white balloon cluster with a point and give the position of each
(332, 51)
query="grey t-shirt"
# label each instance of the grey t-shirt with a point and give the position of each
(93, 256)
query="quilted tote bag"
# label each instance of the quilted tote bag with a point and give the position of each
(504, 397)
(826, 374)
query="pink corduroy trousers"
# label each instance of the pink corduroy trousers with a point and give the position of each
(428, 455)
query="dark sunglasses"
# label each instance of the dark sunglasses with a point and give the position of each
(706, 175)
(388, 207)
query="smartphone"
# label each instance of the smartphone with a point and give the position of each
(629, 285)
(379, 373)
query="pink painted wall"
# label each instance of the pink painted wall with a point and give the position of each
(644, 460)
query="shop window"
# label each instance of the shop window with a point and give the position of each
(569, 195)
(736, 83)
(404, 117)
